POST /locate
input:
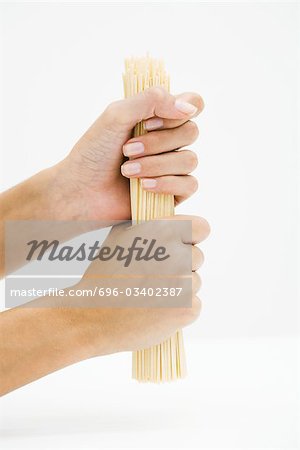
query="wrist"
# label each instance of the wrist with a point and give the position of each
(69, 325)
(86, 327)
(29, 199)
(65, 198)
(78, 332)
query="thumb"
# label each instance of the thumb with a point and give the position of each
(155, 101)
(194, 230)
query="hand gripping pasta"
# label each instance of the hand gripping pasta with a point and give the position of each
(166, 361)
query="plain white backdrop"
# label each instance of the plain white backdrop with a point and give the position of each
(61, 65)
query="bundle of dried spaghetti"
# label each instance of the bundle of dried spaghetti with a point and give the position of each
(166, 361)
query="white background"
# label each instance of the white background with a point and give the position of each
(62, 65)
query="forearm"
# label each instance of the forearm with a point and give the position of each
(52, 332)
(43, 197)
(28, 200)
(36, 341)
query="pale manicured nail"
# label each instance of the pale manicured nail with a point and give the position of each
(148, 183)
(133, 148)
(130, 169)
(153, 124)
(185, 107)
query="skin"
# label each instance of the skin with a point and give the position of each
(92, 183)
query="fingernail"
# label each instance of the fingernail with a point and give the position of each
(148, 183)
(185, 107)
(153, 123)
(133, 148)
(130, 169)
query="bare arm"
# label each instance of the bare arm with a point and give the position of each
(92, 182)
(50, 333)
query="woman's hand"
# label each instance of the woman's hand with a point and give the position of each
(92, 182)
(125, 322)
(49, 333)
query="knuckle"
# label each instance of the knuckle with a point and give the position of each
(192, 130)
(199, 102)
(111, 108)
(198, 258)
(201, 256)
(111, 112)
(155, 93)
(191, 160)
(193, 184)
(196, 307)
(196, 282)
(196, 100)
(193, 312)
(205, 228)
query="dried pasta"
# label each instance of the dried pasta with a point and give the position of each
(166, 361)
